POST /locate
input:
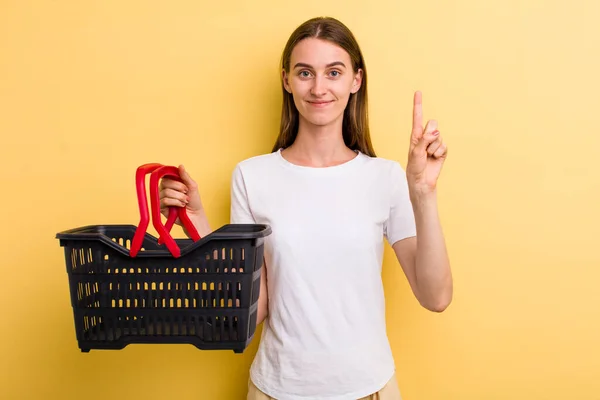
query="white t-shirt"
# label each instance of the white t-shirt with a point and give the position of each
(325, 336)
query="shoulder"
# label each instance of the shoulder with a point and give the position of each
(385, 173)
(258, 162)
(384, 165)
(255, 168)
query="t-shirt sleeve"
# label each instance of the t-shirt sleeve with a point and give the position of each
(401, 220)
(240, 208)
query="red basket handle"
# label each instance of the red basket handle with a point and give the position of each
(157, 171)
(140, 184)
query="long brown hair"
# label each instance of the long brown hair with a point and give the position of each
(355, 126)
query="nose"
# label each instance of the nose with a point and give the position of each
(318, 88)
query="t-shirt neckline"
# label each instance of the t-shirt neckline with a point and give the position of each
(334, 168)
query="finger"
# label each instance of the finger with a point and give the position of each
(425, 141)
(441, 152)
(432, 148)
(432, 125)
(174, 194)
(171, 202)
(187, 179)
(417, 121)
(173, 184)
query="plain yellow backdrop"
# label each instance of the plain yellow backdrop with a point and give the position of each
(89, 90)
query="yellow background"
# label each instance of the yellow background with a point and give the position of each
(89, 90)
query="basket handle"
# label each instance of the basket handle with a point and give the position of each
(174, 212)
(140, 184)
(157, 171)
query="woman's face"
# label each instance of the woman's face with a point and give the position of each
(321, 80)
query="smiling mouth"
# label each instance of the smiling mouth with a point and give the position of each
(319, 103)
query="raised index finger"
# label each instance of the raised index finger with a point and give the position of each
(417, 122)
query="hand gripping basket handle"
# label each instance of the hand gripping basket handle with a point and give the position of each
(157, 171)
(174, 212)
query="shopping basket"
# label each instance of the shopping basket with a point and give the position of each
(128, 286)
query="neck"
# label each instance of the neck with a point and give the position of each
(319, 146)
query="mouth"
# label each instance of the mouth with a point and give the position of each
(320, 103)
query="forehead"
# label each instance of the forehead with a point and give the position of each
(318, 53)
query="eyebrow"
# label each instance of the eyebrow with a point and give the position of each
(303, 65)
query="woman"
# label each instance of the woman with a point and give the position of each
(330, 203)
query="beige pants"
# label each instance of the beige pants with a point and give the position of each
(389, 392)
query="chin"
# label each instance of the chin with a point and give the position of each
(322, 120)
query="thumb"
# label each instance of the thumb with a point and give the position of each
(186, 178)
(425, 141)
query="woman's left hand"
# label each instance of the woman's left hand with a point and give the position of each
(426, 155)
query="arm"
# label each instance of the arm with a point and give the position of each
(263, 297)
(424, 260)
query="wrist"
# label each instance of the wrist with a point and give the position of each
(424, 206)
(200, 222)
(423, 199)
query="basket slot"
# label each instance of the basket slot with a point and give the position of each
(224, 322)
(221, 290)
(208, 292)
(238, 260)
(208, 329)
(218, 258)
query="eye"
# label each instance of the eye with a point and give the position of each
(304, 74)
(335, 74)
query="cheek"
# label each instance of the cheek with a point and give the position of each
(296, 87)
(350, 86)
(343, 90)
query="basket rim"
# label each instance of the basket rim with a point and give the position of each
(225, 232)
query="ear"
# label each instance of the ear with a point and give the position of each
(356, 84)
(286, 83)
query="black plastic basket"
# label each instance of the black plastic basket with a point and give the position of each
(207, 297)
